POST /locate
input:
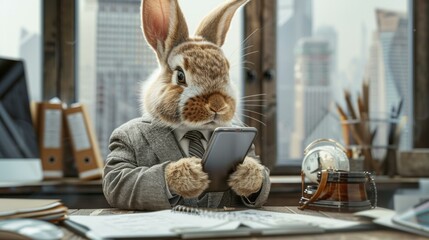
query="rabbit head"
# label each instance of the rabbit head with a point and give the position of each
(191, 86)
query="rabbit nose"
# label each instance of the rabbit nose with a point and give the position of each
(217, 103)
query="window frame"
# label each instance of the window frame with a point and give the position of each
(59, 49)
(59, 53)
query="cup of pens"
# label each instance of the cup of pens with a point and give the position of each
(377, 151)
(371, 138)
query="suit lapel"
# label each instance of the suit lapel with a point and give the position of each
(162, 142)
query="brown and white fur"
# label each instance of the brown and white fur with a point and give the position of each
(206, 99)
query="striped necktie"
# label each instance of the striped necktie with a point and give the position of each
(196, 148)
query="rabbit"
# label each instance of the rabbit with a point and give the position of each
(191, 89)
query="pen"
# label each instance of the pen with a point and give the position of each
(80, 229)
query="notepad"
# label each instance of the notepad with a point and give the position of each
(168, 223)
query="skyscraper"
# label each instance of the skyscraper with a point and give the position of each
(388, 71)
(312, 92)
(122, 60)
(298, 26)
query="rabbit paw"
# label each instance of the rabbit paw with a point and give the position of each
(186, 177)
(247, 178)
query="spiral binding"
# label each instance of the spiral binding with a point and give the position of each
(198, 211)
(210, 213)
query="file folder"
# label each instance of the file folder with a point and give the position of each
(84, 142)
(50, 129)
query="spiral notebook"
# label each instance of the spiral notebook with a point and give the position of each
(188, 222)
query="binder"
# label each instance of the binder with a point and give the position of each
(84, 142)
(50, 129)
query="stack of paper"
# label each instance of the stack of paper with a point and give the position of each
(43, 209)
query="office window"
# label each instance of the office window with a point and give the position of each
(114, 59)
(327, 46)
(21, 38)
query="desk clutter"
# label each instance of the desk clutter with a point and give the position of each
(56, 123)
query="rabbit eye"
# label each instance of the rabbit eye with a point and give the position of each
(181, 78)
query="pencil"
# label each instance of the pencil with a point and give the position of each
(345, 128)
(349, 104)
(365, 95)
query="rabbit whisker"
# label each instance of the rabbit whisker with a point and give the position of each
(235, 65)
(240, 121)
(253, 105)
(244, 115)
(250, 35)
(248, 62)
(242, 64)
(242, 49)
(247, 68)
(246, 47)
(254, 95)
(253, 112)
(249, 53)
(254, 100)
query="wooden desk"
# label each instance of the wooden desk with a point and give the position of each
(379, 233)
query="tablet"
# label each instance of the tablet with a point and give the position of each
(227, 148)
(416, 217)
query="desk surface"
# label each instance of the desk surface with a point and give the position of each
(379, 233)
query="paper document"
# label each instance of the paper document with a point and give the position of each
(10, 206)
(169, 223)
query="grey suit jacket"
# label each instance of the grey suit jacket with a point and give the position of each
(134, 171)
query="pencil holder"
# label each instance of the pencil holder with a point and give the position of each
(372, 144)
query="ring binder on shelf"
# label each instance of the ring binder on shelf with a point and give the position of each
(84, 142)
(50, 127)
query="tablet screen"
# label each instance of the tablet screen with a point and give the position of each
(417, 217)
(227, 148)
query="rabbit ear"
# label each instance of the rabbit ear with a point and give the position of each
(163, 25)
(215, 25)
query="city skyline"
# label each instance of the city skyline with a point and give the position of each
(294, 126)
(351, 46)
(347, 19)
